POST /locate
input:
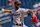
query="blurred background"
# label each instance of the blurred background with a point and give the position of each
(24, 3)
(27, 4)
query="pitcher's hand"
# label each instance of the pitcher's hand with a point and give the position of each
(3, 9)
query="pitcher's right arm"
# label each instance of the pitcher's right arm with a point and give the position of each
(9, 11)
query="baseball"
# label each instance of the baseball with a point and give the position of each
(3, 9)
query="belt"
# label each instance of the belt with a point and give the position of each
(18, 24)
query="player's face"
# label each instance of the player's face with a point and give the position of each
(17, 6)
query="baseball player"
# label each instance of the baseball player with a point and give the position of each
(18, 13)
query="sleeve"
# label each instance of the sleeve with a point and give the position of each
(12, 11)
(25, 10)
(22, 10)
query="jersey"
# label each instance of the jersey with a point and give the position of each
(18, 15)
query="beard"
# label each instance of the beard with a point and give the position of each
(17, 7)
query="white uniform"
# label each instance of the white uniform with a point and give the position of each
(19, 17)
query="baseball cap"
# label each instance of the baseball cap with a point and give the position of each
(17, 2)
